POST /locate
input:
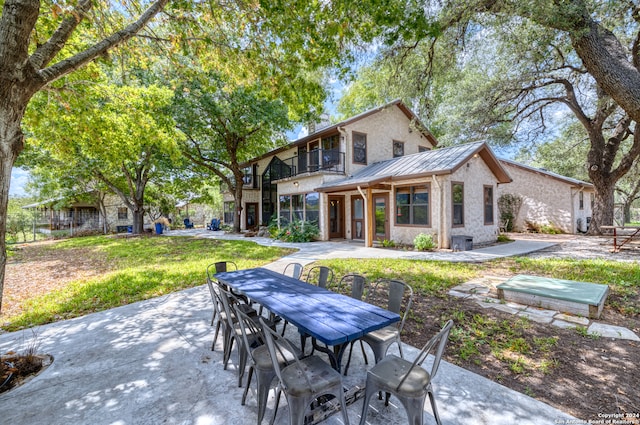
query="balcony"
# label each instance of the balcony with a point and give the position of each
(319, 160)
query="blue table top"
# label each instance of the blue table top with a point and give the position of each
(329, 317)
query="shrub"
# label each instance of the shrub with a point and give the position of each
(299, 231)
(388, 243)
(424, 242)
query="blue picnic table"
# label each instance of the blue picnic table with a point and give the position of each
(331, 318)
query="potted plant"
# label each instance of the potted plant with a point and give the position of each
(161, 223)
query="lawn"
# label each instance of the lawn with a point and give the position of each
(133, 269)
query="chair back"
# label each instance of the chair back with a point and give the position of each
(397, 295)
(279, 347)
(354, 285)
(252, 334)
(321, 276)
(224, 266)
(439, 342)
(294, 270)
(223, 298)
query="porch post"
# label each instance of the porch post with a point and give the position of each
(370, 219)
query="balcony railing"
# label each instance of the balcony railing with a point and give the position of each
(325, 160)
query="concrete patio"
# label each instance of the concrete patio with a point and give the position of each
(151, 363)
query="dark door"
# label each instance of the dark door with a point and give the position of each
(381, 230)
(251, 216)
(357, 217)
(336, 217)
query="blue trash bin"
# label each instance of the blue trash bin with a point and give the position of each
(158, 228)
(129, 229)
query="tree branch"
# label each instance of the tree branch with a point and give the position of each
(66, 66)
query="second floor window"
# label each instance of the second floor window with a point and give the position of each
(359, 148)
(123, 213)
(398, 149)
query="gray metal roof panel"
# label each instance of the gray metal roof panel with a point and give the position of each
(433, 161)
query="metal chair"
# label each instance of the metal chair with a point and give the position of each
(294, 270)
(394, 292)
(355, 286)
(303, 381)
(409, 382)
(220, 266)
(321, 276)
(188, 224)
(254, 342)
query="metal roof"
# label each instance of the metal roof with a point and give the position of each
(565, 179)
(436, 161)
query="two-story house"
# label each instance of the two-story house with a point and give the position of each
(376, 176)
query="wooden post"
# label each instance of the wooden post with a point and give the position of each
(371, 218)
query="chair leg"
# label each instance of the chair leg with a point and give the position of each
(275, 409)
(432, 399)
(215, 336)
(368, 393)
(246, 389)
(297, 409)
(414, 406)
(264, 379)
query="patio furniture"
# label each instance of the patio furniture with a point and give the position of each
(394, 293)
(294, 270)
(188, 224)
(304, 380)
(214, 225)
(254, 342)
(321, 276)
(354, 285)
(328, 317)
(408, 381)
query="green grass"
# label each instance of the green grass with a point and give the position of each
(140, 268)
(427, 277)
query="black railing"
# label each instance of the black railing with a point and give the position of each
(331, 160)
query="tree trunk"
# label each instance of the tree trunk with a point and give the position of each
(138, 220)
(238, 199)
(11, 143)
(604, 202)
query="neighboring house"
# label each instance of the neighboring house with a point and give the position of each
(376, 177)
(82, 215)
(549, 198)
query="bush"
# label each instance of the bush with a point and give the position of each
(299, 231)
(424, 242)
(388, 243)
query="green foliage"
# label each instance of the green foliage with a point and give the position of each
(387, 243)
(503, 238)
(424, 242)
(509, 206)
(140, 268)
(299, 231)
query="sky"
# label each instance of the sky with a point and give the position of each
(19, 179)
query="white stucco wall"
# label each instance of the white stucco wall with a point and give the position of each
(546, 200)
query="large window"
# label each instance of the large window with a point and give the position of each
(249, 178)
(488, 205)
(412, 205)
(123, 213)
(285, 209)
(457, 200)
(312, 206)
(304, 207)
(359, 148)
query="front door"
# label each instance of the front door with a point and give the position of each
(380, 201)
(251, 215)
(336, 217)
(357, 217)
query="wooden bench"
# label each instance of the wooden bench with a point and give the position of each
(567, 296)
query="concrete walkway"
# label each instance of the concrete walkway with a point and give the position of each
(150, 363)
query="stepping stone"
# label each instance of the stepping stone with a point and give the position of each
(611, 331)
(567, 296)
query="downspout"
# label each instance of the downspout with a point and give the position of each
(442, 233)
(367, 242)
